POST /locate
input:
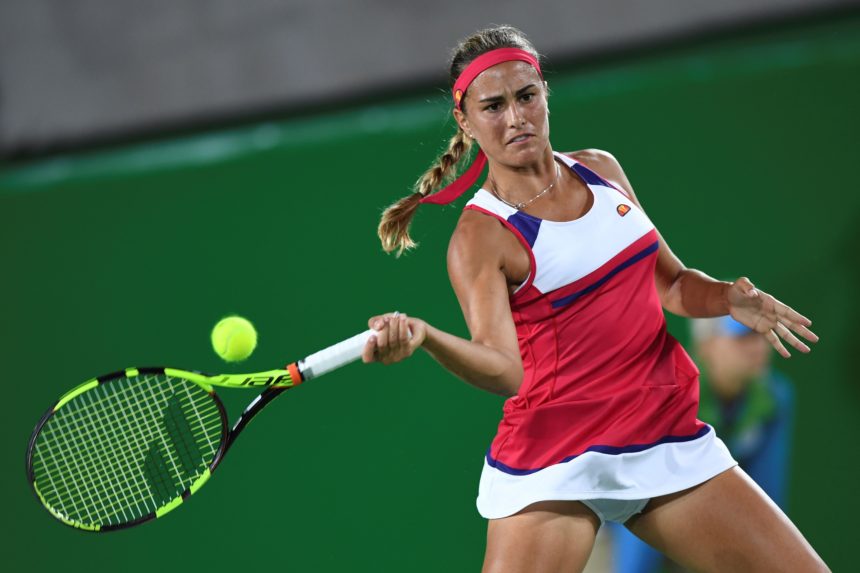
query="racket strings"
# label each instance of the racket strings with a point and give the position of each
(126, 448)
(110, 484)
(71, 454)
(89, 479)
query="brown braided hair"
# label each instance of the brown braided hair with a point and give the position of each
(393, 228)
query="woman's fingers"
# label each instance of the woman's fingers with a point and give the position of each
(369, 352)
(381, 328)
(394, 330)
(396, 338)
(765, 314)
(392, 340)
(789, 337)
(777, 344)
(404, 330)
(798, 323)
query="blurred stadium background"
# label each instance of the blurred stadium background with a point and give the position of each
(167, 163)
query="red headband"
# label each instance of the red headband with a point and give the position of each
(472, 71)
(488, 60)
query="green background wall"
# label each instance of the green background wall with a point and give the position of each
(742, 150)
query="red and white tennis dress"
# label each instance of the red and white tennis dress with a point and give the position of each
(607, 407)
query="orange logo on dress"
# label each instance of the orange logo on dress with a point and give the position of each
(623, 209)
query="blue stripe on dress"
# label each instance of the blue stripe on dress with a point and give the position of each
(610, 450)
(527, 225)
(589, 176)
(564, 301)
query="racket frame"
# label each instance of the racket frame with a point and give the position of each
(274, 383)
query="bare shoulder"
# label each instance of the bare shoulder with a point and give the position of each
(476, 238)
(594, 156)
(605, 164)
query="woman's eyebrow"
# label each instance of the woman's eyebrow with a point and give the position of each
(496, 98)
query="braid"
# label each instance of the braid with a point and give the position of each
(441, 171)
(393, 229)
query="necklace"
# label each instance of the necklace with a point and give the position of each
(523, 205)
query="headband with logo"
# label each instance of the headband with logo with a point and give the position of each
(472, 71)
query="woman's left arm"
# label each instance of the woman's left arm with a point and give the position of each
(692, 293)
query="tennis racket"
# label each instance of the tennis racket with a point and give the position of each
(133, 445)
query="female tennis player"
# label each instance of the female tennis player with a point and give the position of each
(562, 280)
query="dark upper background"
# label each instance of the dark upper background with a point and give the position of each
(94, 70)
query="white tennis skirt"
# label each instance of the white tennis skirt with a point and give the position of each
(659, 470)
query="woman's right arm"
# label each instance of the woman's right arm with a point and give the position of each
(491, 359)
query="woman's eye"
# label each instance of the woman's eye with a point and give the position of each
(527, 97)
(493, 107)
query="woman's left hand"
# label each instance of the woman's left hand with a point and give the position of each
(766, 315)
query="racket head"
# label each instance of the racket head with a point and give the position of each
(127, 447)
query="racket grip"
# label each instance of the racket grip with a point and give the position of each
(335, 356)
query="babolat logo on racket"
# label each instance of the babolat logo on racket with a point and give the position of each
(255, 381)
(265, 380)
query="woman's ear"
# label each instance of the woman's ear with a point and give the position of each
(461, 120)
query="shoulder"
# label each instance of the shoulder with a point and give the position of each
(594, 157)
(476, 236)
(604, 164)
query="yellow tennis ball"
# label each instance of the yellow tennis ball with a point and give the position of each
(234, 338)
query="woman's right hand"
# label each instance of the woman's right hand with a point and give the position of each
(397, 337)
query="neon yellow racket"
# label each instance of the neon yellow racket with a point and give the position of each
(130, 446)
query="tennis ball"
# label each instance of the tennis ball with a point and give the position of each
(234, 338)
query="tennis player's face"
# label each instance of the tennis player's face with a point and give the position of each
(506, 113)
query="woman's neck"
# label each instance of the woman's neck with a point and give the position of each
(521, 183)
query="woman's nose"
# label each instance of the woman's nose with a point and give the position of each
(515, 116)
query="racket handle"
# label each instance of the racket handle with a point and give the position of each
(335, 356)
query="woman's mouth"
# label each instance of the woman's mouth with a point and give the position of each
(520, 138)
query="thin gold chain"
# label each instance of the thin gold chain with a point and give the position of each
(523, 205)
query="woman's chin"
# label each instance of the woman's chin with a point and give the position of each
(525, 154)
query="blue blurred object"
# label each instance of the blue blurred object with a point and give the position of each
(728, 326)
